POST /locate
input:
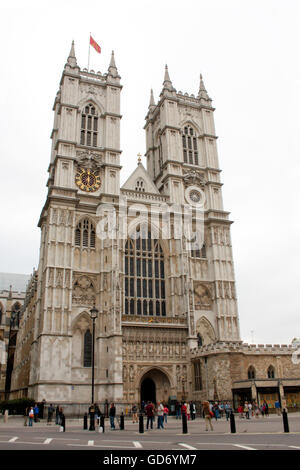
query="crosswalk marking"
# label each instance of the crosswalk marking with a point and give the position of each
(137, 444)
(47, 441)
(13, 439)
(187, 446)
(243, 447)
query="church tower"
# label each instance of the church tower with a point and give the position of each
(182, 160)
(77, 270)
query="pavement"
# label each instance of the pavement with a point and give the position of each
(254, 434)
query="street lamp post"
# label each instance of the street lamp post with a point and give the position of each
(94, 313)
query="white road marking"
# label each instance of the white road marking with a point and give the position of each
(13, 439)
(295, 447)
(47, 441)
(187, 446)
(90, 443)
(243, 447)
(137, 444)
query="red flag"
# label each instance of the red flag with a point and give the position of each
(95, 45)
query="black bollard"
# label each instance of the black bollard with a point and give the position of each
(141, 423)
(63, 422)
(184, 424)
(285, 421)
(232, 423)
(122, 421)
(102, 422)
(85, 421)
(92, 421)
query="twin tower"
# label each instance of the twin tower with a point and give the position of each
(158, 295)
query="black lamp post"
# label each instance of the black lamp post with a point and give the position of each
(94, 314)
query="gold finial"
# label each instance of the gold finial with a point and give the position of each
(139, 159)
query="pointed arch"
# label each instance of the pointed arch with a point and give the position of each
(85, 233)
(251, 372)
(206, 331)
(192, 123)
(271, 372)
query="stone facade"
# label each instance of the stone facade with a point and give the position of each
(158, 296)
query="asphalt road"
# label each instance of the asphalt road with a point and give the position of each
(254, 434)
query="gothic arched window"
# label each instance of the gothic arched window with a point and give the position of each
(199, 253)
(89, 126)
(199, 340)
(190, 146)
(251, 373)
(85, 234)
(145, 290)
(271, 372)
(87, 349)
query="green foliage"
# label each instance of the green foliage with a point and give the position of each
(16, 407)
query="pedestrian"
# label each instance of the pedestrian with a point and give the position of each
(266, 408)
(26, 411)
(166, 412)
(207, 415)
(193, 410)
(246, 410)
(150, 414)
(178, 410)
(112, 414)
(227, 411)
(62, 419)
(36, 413)
(50, 414)
(262, 410)
(97, 414)
(134, 411)
(277, 407)
(216, 411)
(160, 416)
(31, 416)
(250, 410)
(183, 409)
(188, 411)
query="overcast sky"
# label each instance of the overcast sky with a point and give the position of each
(248, 54)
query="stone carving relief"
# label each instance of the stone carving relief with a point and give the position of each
(193, 177)
(206, 331)
(84, 291)
(88, 159)
(202, 296)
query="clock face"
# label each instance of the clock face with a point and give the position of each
(87, 180)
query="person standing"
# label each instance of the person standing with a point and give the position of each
(50, 414)
(36, 413)
(26, 411)
(177, 410)
(188, 411)
(150, 414)
(250, 410)
(166, 412)
(227, 411)
(246, 410)
(112, 414)
(160, 416)
(31, 416)
(183, 409)
(207, 415)
(134, 411)
(277, 407)
(193, 410)
(266, 408)
(57, 415)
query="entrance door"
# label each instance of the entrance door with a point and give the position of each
(148, 390)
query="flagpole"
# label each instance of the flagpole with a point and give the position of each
(89, 52)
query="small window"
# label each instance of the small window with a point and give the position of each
(87, 360)
(251, 373)
(271, 372)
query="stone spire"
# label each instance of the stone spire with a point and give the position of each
(152, 102)
(167, 82)
(112, 69)
(72, 58)
(202, 90)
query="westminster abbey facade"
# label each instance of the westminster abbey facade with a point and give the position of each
(153, 256)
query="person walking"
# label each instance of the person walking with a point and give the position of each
(112, 415)
(183, 409)
(277, 407)
(57, 421)
(26, 411)
(31, 416)
(149, 414)
(166, 412)
(36, 413)
(216, 411)
(188, 411)
(134, 411)
(207, 415)
(266, 408)
(227, 411)
(193, 410)
(178, 410)
(250, 410)
(50, 414)
(160, 416)
(246, 410)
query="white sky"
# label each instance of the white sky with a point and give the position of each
(248, 53)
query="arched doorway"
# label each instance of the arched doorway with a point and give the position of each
(155, 386)
(148, 391)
